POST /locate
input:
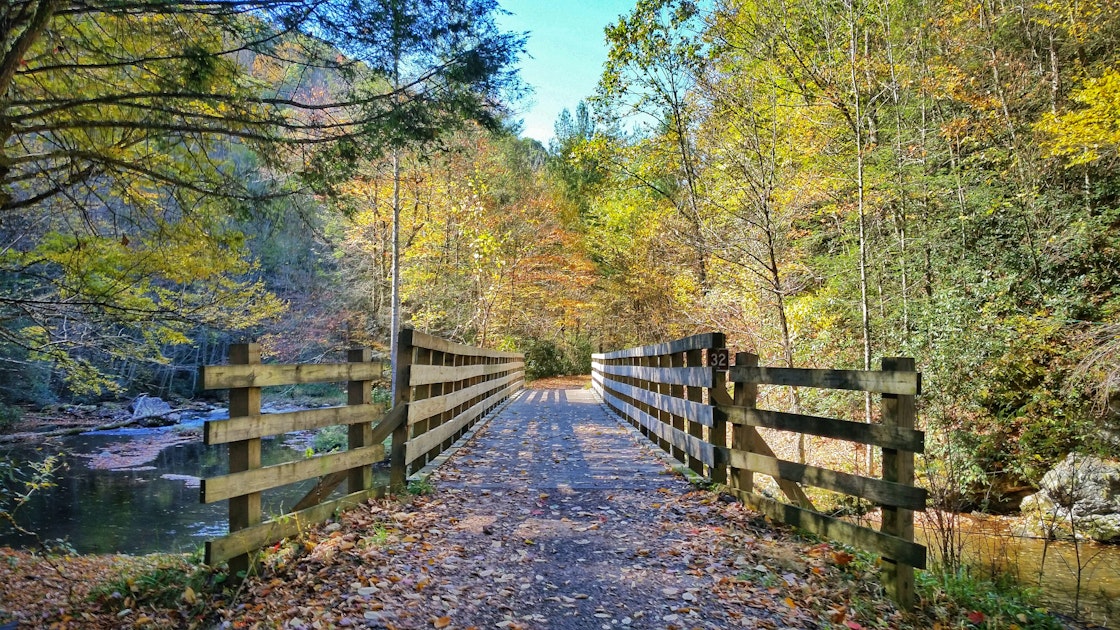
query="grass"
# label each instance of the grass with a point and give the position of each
(1000, 603)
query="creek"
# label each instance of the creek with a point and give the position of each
(136, 490)
(989, 546)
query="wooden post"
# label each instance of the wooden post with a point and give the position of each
(402, 396)
(677, 391)
(746, 395)
(717, 435)
(695, 358)
(360, 434)
(898, 467)
(245, 510)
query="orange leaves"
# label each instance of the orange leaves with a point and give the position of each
(441, 622)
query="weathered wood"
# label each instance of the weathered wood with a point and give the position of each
(244, 428)
(398, 467)
(423, 409)
(677, 396)
(423, 340)
(389, 423)
(755, 444)
(694, 411)
(862, 433)
(322, 490)
(836, 529)
(359, 434)
(892, 382)
(745, 395)
(421, 445)
(690, 376)
(694, 358)
(250, 539)
(231, 376)
(717, 433)
(244, 455)
(695, 447)
(429, 374)
(879, 491)
(254, 480)
(898, 467)
(695, 342)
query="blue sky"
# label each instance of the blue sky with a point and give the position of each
(565, 54)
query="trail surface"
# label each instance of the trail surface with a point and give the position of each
(555, 516)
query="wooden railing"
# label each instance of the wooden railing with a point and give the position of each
(446, 388)
(652, 386)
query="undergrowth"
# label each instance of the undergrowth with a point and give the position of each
(162, 582)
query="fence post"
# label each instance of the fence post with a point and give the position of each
(245, 510)
(401, 396)
(361, 434)
(746, 395)
(695, 358)
(717, 435)
(898, 466)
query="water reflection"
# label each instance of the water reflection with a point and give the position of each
(1081, 581)
(149, 508)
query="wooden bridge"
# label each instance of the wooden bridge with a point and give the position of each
(565, 492)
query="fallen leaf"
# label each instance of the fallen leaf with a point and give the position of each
(976, 617)
(442, 622)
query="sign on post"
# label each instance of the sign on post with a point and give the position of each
(719, 358)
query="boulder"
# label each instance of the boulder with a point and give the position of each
(1080, 497)
(151, 411)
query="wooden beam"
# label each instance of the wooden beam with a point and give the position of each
(694, 411)
(420, 445)
(836, 529)
(862, 433)
(756, 444)
(431, 374)
(423, 340)
(690, 376)
(898, 467)
(250, 539)
(695, 342)
(244, 455)
(886, 382)
(231, 376)
(255, 480)
(322, 490)
(877, 490)
(261, 425)
(429, 407)
(692, 445)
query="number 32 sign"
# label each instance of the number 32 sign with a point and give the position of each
(719, 358)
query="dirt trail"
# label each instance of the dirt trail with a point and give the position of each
(554, 516)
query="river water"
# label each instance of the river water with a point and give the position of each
(149, 506)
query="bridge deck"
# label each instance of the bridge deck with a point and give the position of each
(556, 515)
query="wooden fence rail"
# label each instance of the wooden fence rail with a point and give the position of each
(446, 388)
(680, 400)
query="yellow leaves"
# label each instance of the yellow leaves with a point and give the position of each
(1092, 131)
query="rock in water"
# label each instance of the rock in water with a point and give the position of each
(1080, 497)
(152, 410)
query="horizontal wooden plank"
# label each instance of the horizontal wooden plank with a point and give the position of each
(702, 341)
(429, 374)
(886, 545)
(877, 490)
(860, 432)
(425, 408)
(903, 383)
(249, 427)
(258, 479)
(430, 342)
(692, 445)
(693, 411)
(419, 446)
(269, 375)
(690, 376)
(252, 538)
